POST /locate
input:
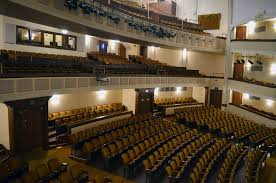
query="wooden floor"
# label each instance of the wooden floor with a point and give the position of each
(37, 157)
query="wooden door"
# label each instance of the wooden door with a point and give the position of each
(241, 33)
(216, 98)
(238, 71)
(144, 51)
(144, 102)
(30, 124)
(122, 50)
(236, 98)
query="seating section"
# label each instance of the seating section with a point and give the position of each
(21, 64)
(91, 141)
(231, 163)
(77, 115)
(52, 171)
(254, 109)
(225, 124)
(254, 163)
(263, 83)
(109, 58)
(170, 101)
(149, 62)
(12, 169)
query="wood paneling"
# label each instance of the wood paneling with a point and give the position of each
(144, 101)
(236, 98)
(216, 98)
(30, 124)
(122, 50)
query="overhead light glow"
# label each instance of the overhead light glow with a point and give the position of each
(184, 55)
(251, 27)
(274, 26)
(248, 66)
(156, 91)
(63, 31)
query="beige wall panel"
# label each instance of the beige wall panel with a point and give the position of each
(174, 94)
(4, 126)
(129, 99)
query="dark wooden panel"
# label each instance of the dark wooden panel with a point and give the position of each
(216, 98)
(144, 101)
(30, 124)
(238, 71)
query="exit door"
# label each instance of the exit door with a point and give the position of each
(144, 102)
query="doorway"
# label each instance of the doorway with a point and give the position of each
(122, 50)
(238, 71)
(216, 98)
(144, 101)
(236, 98)
(241, 33)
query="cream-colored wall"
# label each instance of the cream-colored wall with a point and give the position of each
(172, 57)
(199, 94)
(84, 99)
(129, 99)
(270, 32)
(4, 126)
(266, 74)
(261, 104)
(206, 63)
(173, 94)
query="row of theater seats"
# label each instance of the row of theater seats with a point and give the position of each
(17, 171)
(17, 63)
(147, 61)
(109, 58)
(254, 163)
(231, 163)
(168, 101)
(253, 81)
(76, 115)
(90, 142)
(250, 107)
(228, 125)
(144, 148)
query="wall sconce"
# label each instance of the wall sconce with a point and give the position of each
(251, 27)
(273, 69)
(246, 96)
(102, 94)
(55, 100)
(269, 102)
(64, 31)
(178, 89)
(156, 91)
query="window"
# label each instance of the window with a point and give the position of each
(42, 38)
(23, 34)
(71, 42)
(59, 40)
(36, 36)
(48, 39)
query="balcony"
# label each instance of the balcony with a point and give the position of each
(55, 14)
(253, 89)
(23, 88)
(254, 46)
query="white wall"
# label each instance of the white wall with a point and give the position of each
(187, 9)
(174, 94)
(4, 126)
(84, 99)
(172, 57)
(129, 99)
(245, 10)
(208, 64)
(199, 94)
(261, 104)
(266, 74)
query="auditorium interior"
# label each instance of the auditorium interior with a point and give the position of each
(137, 91)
